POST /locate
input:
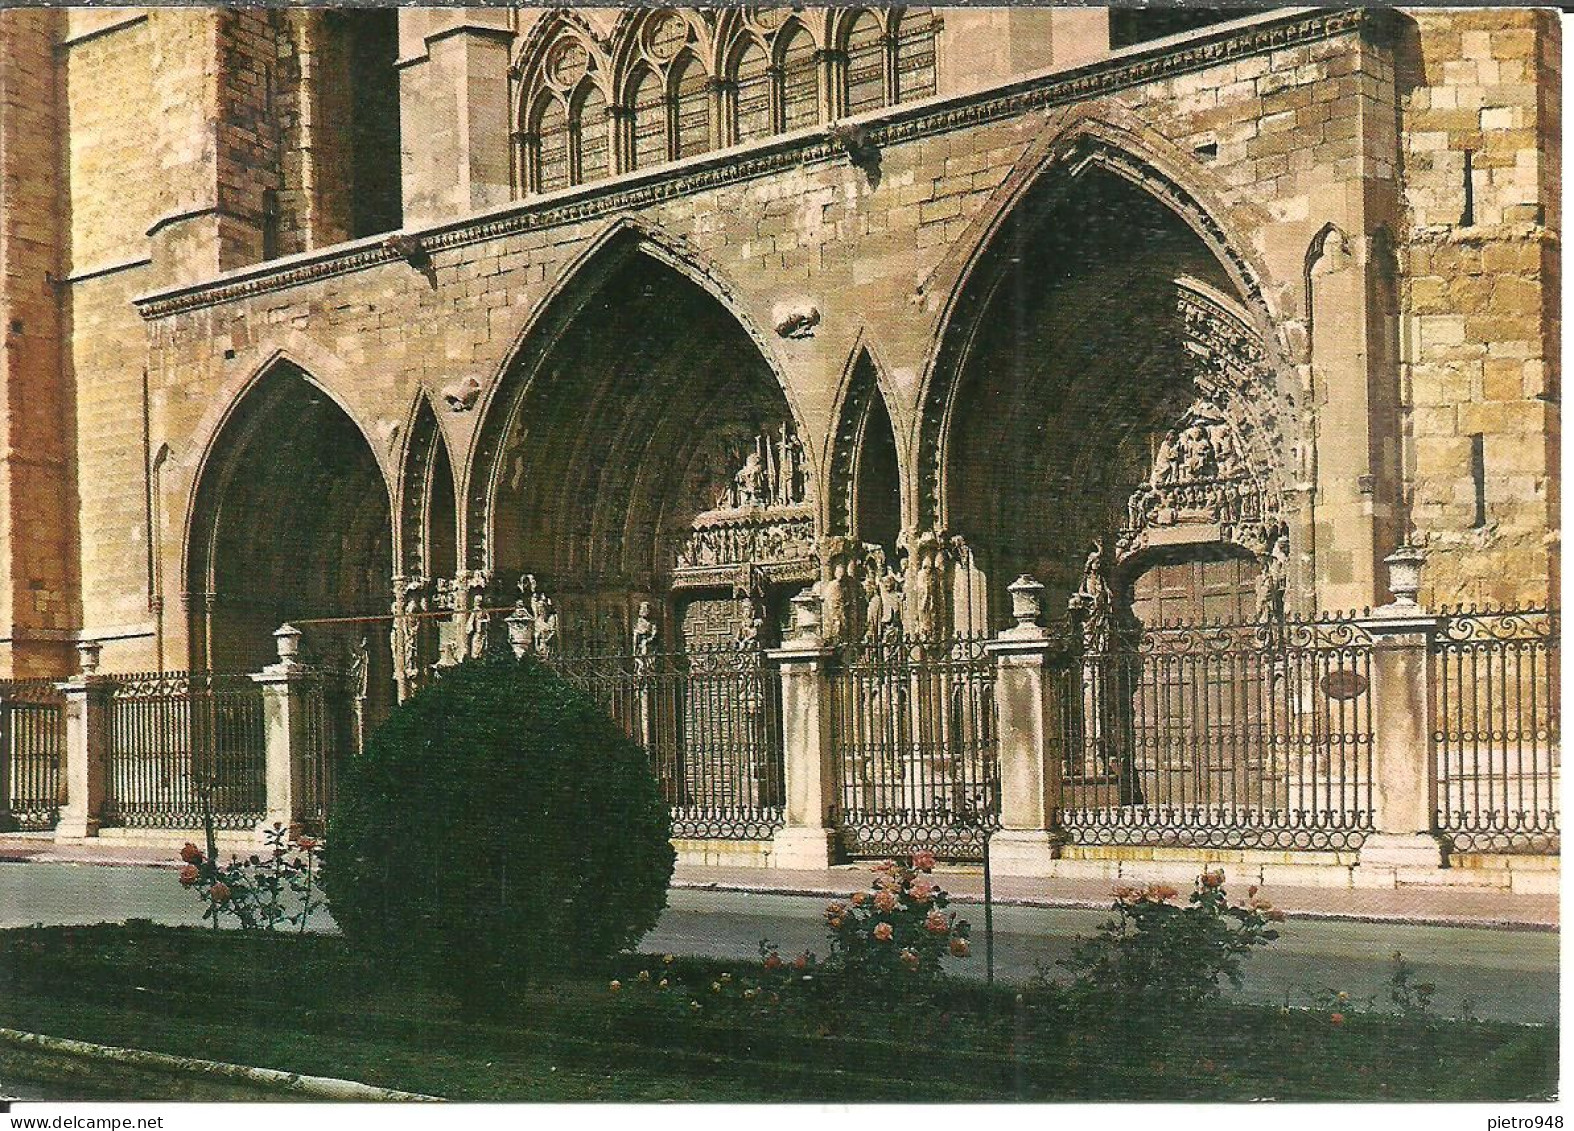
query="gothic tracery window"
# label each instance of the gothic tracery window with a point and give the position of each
(691, 109)
(800, 79)
(649, 104)
(753, 98)
(551, 134)
(589, 126)
(915, 54)
(866, 64)
(591, 106)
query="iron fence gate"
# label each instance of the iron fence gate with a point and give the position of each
(183, 743)
(1220, 735)
(1494, 688)
(914, 746)
(333, 728)
(32, 752)
(710, 719)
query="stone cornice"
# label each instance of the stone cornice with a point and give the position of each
(1128, 68)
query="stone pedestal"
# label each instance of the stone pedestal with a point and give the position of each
(1404, 787)
(284, 732)
(806, 839)
(1028, 722)
(88, 699)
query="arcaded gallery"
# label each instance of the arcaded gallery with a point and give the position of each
(1076, 436)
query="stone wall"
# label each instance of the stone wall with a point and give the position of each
(1481, 298)
(38, 605)
(1346, 236)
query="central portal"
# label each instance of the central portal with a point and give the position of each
(645, 467)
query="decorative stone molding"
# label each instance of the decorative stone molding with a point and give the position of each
(725, 167)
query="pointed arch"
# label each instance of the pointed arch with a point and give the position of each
(428, 503)
(1094, 140)
(797, 59)
(865, 426)
(289, 518)
(623, 242)
(689, 90)
(750, 71)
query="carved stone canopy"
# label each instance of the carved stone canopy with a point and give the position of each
(1204, 486)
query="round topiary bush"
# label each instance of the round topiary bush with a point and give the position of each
(499, 827)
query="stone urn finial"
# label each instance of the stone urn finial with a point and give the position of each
(1027, 601)
(806, 612)
(1404, 574)
(521, 627)
(88, 654)
(287, 638)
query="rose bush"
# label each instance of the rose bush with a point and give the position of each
(1157, 953)
(896, 933)
(264, 891)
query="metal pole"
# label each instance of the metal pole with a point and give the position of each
(989, 917)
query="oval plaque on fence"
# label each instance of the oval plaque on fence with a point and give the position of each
(1344, 684)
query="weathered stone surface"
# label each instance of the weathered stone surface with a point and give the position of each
(196, 142)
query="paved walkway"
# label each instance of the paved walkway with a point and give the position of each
(1455, 906)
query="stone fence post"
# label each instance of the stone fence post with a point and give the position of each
(807, 838)
(88, 700)
(1028, 723)
(284, 685)
(1404, 780)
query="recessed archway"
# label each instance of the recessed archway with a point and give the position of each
(1097, 329)
(291, 522)
(642, 448)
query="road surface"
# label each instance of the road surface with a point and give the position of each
(1510, 975)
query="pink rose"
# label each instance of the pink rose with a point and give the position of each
(959, 947)
(885, 901)
(190, 854)
(937, 923)
(910, 959)
(219, 892)
(189, 875)
(923, 890)
(882, 932)
(924, 860)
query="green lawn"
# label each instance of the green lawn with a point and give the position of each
(305, 1004)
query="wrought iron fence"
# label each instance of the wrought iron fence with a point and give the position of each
(181, 744)
(32, 748)
(913, 736)
(334, 723)
(710, 719)
(1494, 681)
(1220, 735)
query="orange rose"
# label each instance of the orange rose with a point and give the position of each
(924, 860)
(801, 962)
(923, 890)
(190, 854)
(1336, 1019)
(189, 875)
(1275, 915)
(1213, 879)
(910, 959)
(959, 947)
(882, 931)
(1161, 893)
(219, 892)
(773, 961)
(306, 842)
(937, 923)
(859, 898)
(885, 901)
